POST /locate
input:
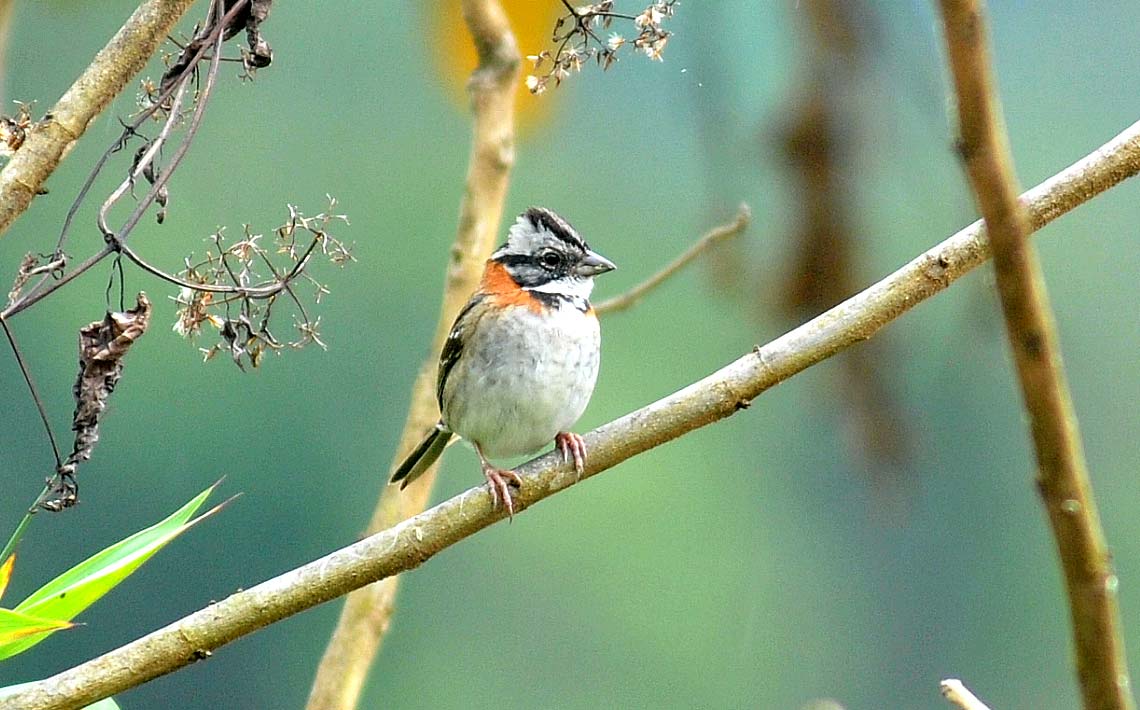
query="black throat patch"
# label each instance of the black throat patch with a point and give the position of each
(558, 300)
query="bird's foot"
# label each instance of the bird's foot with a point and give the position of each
(500, 481)
(573, 448)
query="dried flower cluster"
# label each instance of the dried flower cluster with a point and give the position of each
(225, 291)
(580, 42)
(234, 288)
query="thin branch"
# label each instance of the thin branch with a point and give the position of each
(22, 526)
(223, 17)
(164, 98)
(711, 238)
(580, 43)
(578, 15)
(213, 35)
(36, 294)
(39, 402)
(732, 388)
(366, 615)
(113, 67)
(268, 290)
(957, 693)
(143, 162)
(1063, 478)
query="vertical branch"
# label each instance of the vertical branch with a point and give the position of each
(50, 140)
(367, 613)
(1063, 479)
(6, 7)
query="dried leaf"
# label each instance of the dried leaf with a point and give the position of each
(102, 345)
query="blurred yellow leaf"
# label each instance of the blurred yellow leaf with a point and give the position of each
(455, 58)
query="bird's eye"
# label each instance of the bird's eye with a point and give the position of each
(550, 259)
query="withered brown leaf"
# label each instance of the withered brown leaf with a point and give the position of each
(102, 345)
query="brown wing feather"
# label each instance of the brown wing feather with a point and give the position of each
(453, 346)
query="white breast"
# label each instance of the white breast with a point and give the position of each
(521, 379)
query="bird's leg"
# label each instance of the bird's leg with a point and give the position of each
(573, 448)
(497, 481)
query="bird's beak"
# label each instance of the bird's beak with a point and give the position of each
(594, 264)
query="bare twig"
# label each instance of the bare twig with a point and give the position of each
(212, 36)
(365, 617)
(579, 43)
(412, 542)
(246, 335)
(51, 139)
(221, 17)
(166, 99)
(710, 239)
(1063, 478)
(957, 693)
(34, 391)
(22, 526)
(144, 161)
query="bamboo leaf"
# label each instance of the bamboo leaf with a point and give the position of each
(76, 589)
(18, 629)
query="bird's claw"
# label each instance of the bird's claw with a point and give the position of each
(500, 482)
(573, 448)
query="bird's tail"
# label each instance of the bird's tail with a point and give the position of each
(423, 457)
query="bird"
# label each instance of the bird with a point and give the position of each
(521, 360)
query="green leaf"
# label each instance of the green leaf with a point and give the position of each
(76, 589)
(17, 628)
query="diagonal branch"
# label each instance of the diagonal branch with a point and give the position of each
(1063, 478)
(711, 238)
(51, 139)
(365, 617)
(412, 542)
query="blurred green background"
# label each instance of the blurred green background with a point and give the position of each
(768, 561)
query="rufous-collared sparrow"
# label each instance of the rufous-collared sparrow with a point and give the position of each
(520, 363)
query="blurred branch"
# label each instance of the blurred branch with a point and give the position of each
(50, 140)
(410, 543)
(6, 7)
(819, 137)
(1063, 478)
(957, 693)
(367, 613)
(710, 239)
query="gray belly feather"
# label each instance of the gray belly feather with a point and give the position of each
(521, 380)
